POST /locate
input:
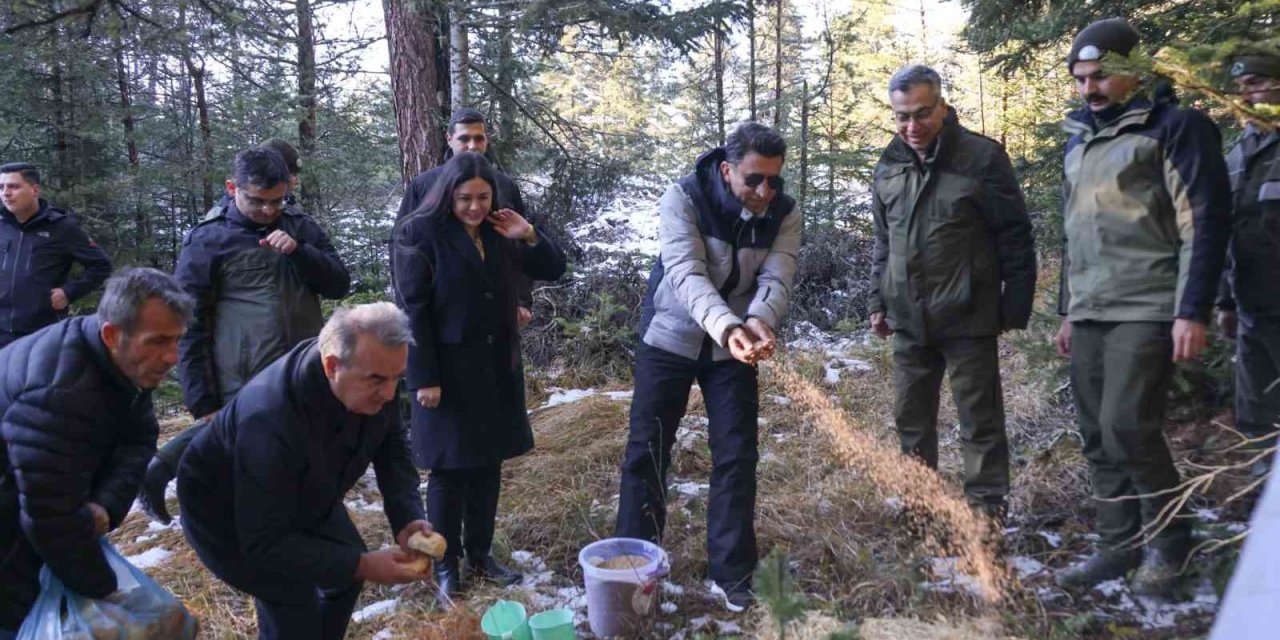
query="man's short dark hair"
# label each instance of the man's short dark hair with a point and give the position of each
(286, 151)
(753, 136)
(129, 289)
(465, 115)
(260, 168)
(913, 75)
(28, 171)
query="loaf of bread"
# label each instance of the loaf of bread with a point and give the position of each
(433, 545)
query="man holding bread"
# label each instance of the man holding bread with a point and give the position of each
(261, 489)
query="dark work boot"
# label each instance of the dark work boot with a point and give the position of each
(448, 581)
(1103, 565)
(154, 483)
(1160, 571)
(490, 569)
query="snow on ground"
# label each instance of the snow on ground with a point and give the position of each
(1153, 613)
(949, 579)
(150, 558)
(358, 503)
(385, 634)
(1053, 539)
(1026, 567)
(382, 607)
(565, 396)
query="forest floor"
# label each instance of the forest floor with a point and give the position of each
(860, 554)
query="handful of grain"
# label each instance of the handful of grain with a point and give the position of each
(620, 563)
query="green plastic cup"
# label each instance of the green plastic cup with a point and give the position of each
(506, 620)
(556, 624)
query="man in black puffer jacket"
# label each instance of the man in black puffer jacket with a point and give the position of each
(78, 428)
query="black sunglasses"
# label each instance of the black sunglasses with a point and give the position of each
(753, 180)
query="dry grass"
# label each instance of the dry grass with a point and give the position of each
(854, 556)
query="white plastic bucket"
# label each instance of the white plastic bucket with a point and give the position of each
(621, 601)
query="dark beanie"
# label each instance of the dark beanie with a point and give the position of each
(1113, 35)
(286, 152)
(1257, 65)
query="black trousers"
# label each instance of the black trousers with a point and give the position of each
(662, 384)
(287, 610)
(462, 505)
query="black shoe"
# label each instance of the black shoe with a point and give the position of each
(490, 569)
(737, 596)
(1160, 572)
(154, 484)
(448, 581)
(1101, 566)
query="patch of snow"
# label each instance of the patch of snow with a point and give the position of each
(1208, 515)
(1111, 588)
(671, 588)
(780, 400)
(729, 627)
(359, 504)
(150, 558)
(565, 396)
(949, 579)
(1157, 614)
(619, 395)
(1053, 539)
(142, 539)
(691, 488)
(382, 607)
(385, 634)
(1236, 527)
(893, 503)
(171, 489)
(175, 524)
(669, 608)
(1026, 567)
(686, 438)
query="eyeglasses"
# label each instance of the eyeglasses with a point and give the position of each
(753, 180)
(919, 115)
(260, 204)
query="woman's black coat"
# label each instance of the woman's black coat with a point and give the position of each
(463, 310)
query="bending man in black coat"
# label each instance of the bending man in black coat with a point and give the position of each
(78, 429)
(261, 489)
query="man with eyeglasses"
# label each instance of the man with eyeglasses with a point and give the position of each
(257, 268)
(729, 241)
(1146, 216)
(954, 267)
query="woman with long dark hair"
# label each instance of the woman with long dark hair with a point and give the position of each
(456, 263)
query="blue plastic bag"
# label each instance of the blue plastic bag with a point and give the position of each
(140, 609)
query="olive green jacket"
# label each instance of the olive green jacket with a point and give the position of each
(954, 254)
(1146, 212)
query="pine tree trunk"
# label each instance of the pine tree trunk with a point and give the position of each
(804, 144)
(459, 60)
(777, 68)
(141, 227)
(206, 133)
(718, 37)
(504, 148)
(413, 38)
(306, 99)
(751, 74)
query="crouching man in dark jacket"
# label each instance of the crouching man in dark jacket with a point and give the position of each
(261, 489)
(78, 429)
